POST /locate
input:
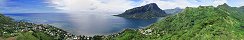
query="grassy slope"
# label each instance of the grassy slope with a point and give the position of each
(4, 19)
(33, 36)
(194, 23)
(26, 36)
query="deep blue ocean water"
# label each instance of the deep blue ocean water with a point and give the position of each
(83, 24)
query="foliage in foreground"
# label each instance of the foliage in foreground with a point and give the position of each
(201, 23)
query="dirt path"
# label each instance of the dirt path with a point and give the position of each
(1, 38)
(11, 38)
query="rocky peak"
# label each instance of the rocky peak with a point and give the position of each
(151, 7)
(224, 5)
(150, 10)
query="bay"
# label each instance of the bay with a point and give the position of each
(84, 23)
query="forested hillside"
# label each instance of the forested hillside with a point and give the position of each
(201, 23)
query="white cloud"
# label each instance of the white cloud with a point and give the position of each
(92, 5)
(236, 3)
(170, 4)
(219, 2)
(212, 2)
(122, 5)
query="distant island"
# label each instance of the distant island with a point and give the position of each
(144, 12)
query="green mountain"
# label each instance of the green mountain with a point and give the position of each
(201, 23)
(173, 11)
(4, 19)
(144, 12)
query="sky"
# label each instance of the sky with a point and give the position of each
(98, 6)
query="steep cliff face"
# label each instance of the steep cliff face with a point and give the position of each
(147, 11)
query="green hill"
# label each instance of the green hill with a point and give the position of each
(4, 19)
(201, 23)
(11, 30)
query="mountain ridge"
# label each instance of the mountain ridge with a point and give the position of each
(173, 11)
(144, 12)
(201, 23)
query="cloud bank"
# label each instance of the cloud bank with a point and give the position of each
(122, 5)
(92, 5)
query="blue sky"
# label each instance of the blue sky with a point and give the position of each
(25, 6)
(50, 6)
